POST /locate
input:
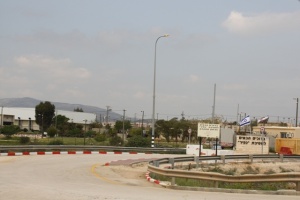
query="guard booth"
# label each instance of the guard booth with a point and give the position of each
(287, 146)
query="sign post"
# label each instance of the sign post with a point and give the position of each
(208, 131)
(262, 130)
(190, 131)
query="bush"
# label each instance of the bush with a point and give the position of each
(56, 142)
(115, 141)
(90, 134)
(51, 131)
(24, 140)
(9, 130)
(100, 137)
(138, 141)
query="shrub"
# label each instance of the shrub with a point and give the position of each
(100, 137)
(138, 141)
(9, 130)
(56, 142)
(115, 141)
(90, 133)
(24, 140)
(51, 131)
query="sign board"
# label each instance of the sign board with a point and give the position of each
(252, 144)
(208, 130)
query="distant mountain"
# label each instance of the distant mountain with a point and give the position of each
(27, 102)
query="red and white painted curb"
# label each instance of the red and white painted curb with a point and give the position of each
(65, 152)
(151, 179)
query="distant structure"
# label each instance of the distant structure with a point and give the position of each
(25, 117)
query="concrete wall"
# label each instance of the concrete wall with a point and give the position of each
(192, 149)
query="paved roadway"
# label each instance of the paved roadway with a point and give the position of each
(84, 177)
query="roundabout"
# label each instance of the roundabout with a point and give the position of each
(83, 177)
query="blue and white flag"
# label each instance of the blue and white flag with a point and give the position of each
(245, 121)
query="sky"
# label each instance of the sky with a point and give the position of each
(102, 53)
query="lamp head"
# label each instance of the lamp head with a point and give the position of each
(166, 35)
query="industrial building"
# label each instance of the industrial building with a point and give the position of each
(25, 117)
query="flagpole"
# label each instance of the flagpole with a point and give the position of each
(250, 127)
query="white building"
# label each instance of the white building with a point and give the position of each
(25, 117)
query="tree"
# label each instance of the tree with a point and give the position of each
(119, 125)
(78, 109)
(9, 130)
(61, 123)
(44, 113)
(165, 127)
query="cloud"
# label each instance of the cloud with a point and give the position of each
(260, 24)
(192, 79)
(58, 69)
(38, 76)
(140, 95)
(234, 87)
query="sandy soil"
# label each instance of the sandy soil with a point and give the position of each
(135, 171)
(262, 167)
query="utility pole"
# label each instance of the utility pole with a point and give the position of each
(107, 110)
(297, 102)
(237, 115)
(142, 123)
(123, 125)
(1, 118)
(214, 105)
(84, 131)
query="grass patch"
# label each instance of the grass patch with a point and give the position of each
(243, 186)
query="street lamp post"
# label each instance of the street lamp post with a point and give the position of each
(154, 79)
(142, 122)
(123, 130)
(84, 131)
(297, 101)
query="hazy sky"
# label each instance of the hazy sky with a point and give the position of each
(101, 53)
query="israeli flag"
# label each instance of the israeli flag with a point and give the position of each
(245, 121)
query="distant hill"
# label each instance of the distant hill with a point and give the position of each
(27, 102)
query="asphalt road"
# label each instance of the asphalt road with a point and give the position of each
(84, 177)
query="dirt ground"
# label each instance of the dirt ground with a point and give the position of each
(135, 171)
(138, 171)
(261, 167)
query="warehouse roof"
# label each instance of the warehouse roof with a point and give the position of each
(26, 113)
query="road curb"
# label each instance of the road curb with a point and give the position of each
(151, 179)
(26, 153)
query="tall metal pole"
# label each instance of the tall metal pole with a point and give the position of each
(154, 79)
(297, 102)
(142, 123)
(1, 118)
(107, 110)
(237, 115)
(84, 131)
(214, 105)
(123, 125)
